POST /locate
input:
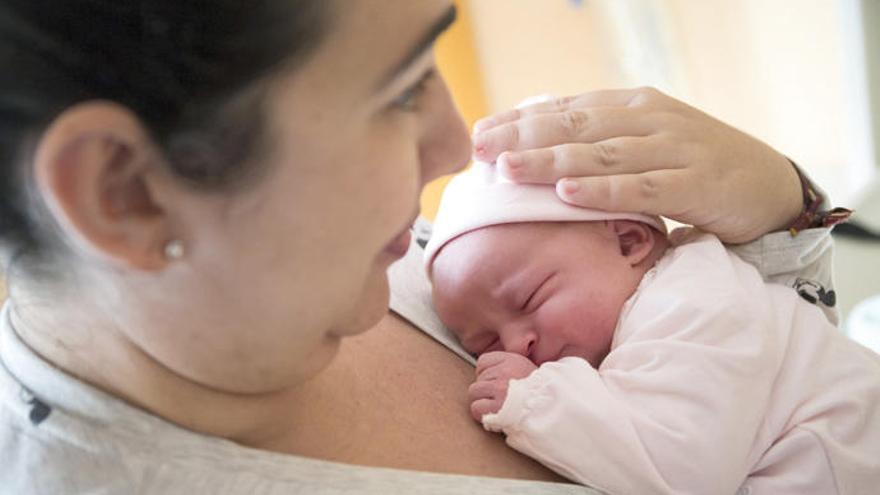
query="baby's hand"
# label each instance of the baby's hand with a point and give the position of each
(494, 372)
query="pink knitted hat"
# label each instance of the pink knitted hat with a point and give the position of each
(480, 197)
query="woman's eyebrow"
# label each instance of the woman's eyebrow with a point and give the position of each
(425, 42)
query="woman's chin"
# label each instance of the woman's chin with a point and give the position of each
(372, 307)
(397, 248)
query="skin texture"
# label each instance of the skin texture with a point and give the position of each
(231, 340)
(404, 418)
(520, 295)
(639, 150)
(274, 275)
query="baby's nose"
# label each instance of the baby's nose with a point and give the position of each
(522, 343)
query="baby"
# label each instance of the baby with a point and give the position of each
(637, 362)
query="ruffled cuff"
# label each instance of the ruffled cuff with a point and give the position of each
(524, 396)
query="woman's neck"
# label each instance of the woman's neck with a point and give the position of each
(372, 406)
(97, 353)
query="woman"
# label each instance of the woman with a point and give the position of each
(200, 201)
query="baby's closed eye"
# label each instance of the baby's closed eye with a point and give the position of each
(537, 295)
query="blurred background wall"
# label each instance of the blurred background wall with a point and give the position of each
(802, 75)
(785, 71)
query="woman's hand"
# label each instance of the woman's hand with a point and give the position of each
(494, 372)
(642, 151)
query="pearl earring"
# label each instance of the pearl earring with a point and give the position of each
(174, 249)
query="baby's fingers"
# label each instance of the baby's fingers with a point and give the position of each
(662, 192)
(482, 390)
(488, 360)
(625, 155)
(484, 406)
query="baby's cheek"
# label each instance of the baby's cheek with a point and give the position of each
(577, 321)
(561, 310)
(445, 307)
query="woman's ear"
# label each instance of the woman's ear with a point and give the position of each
(636, 239)
(90, 168)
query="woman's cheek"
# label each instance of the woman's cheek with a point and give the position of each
(400, 188)
(398, 153)
(391, 174)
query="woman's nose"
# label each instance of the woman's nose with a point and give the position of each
(446, 146)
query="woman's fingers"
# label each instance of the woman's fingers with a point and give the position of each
(626, 155)
(639, 150)
(588, 125)
(662, 192)
(602, 98)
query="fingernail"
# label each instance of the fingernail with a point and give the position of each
(480, 145)
(481, 125)
(513, 160)
(568, 186)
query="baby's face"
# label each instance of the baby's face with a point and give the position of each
(542, 290)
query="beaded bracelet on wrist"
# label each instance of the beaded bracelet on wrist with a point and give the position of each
(811, 216)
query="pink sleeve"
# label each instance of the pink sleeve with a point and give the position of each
(677, 405)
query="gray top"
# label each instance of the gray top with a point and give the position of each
(60, 435)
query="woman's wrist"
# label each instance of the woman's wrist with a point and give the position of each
(771, 198)
(815, 211)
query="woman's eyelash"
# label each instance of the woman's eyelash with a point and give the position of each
(407, 99)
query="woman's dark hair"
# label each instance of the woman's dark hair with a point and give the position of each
(187, 68)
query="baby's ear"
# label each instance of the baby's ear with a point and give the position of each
(636, 239)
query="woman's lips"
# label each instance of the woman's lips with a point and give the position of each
(400, 244)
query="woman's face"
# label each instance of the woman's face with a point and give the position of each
(276, 275)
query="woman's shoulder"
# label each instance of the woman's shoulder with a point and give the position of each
(52, 441)
(60, 435)
(39, 460)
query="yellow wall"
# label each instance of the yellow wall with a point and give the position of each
(457, 60)
(529, 47)
(774, 68)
